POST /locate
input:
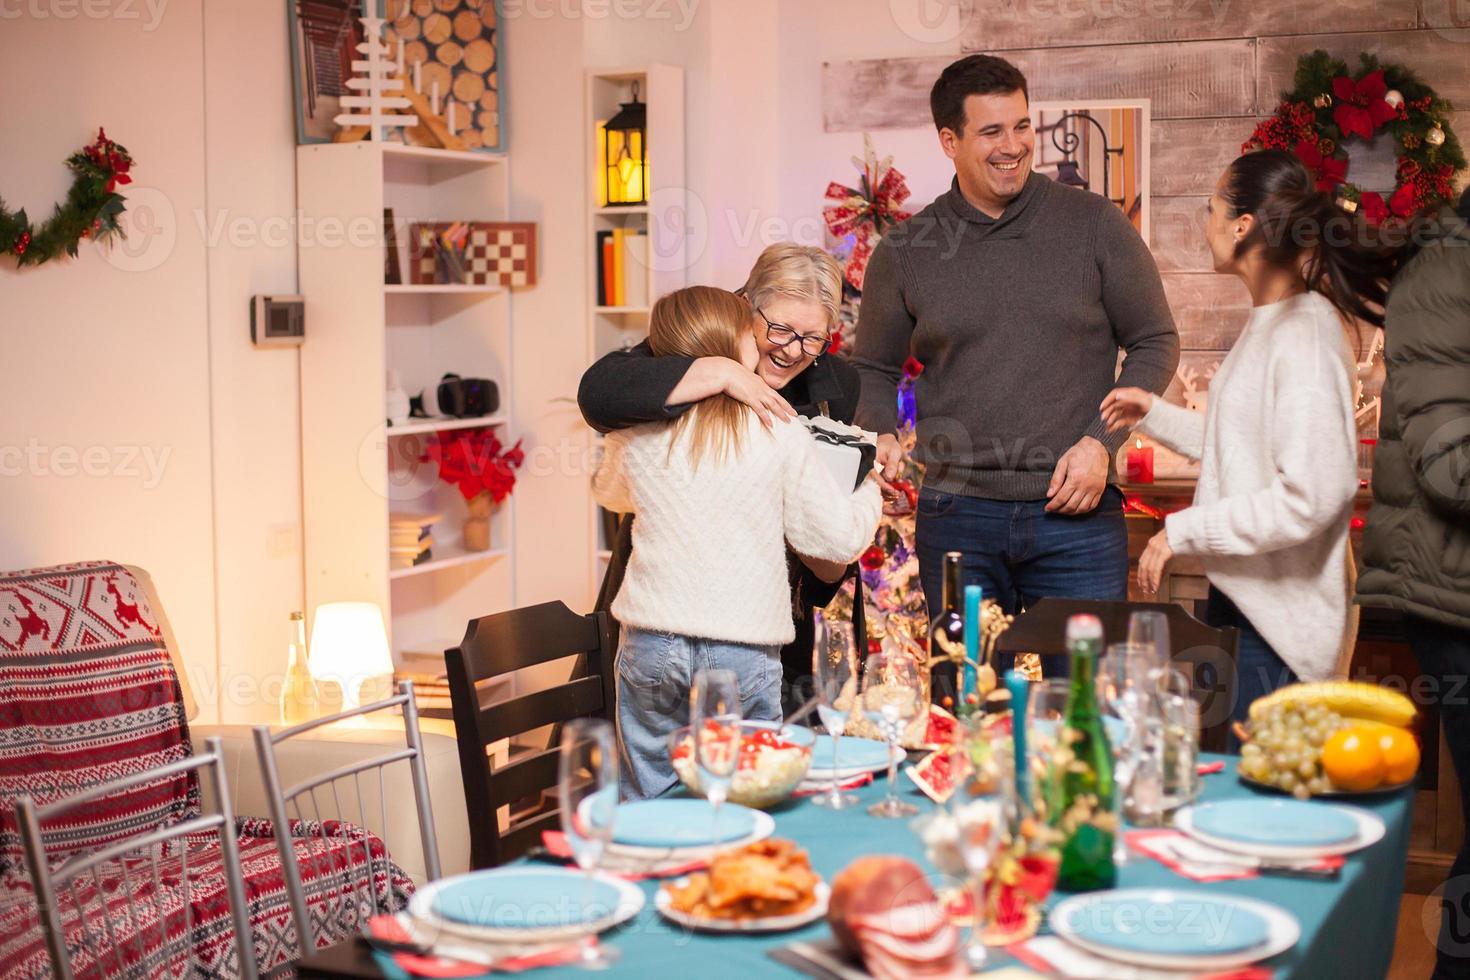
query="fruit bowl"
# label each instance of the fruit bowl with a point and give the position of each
(774, 759)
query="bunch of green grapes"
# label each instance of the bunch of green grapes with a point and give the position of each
(1286, 748)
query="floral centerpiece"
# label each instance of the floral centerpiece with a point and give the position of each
(483, 471)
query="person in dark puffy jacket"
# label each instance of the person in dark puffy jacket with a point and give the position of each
(1416, 548)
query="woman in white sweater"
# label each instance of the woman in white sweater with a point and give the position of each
(1277, 446)
(718, 495)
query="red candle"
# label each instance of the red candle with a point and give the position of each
(1140, 463)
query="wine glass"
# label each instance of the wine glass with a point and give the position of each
(1123, 695)
(714, 722)
(587, 791)
(891, 692)
(834, 672)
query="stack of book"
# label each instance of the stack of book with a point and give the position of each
(430, 681)
(410, 541)
(622, 268)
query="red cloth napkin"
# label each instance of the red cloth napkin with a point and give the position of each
(556, 845)
(1209, 768)
(390, 929)
(862, 779)
(1028, 953)
(1151, 843)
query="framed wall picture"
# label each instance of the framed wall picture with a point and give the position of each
(451, 53)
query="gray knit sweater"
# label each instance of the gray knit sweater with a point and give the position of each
(1018, 321)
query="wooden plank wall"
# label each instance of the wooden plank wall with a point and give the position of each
(1211, 68)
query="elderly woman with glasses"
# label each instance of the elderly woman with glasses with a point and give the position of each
(795, 292)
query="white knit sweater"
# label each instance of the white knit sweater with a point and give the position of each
(1278, 455)
(709, 543)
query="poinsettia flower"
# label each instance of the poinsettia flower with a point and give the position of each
(1405, 200)
(1329, 171)
(1374, 209)
(1360, 105)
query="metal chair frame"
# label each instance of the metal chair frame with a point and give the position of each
(279, 797)
(46, 880)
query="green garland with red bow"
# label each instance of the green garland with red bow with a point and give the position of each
(1328, 105)
(91, 208)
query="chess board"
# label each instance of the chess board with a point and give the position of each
(496, 253)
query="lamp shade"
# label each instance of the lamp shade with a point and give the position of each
(349, 644)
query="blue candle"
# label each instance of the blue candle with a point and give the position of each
(1020, 690)
(972, 644)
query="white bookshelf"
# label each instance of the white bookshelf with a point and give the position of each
(610, 328)
(355, 468)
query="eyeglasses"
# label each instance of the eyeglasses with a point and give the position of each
(782, 336)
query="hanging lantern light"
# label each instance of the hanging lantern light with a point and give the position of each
(625, 172)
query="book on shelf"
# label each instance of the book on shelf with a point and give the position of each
(604, 268)
(635, 270)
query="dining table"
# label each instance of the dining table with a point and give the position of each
(1348, 923)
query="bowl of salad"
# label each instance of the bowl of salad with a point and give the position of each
(774, 759)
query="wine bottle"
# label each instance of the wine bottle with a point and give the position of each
(1081, 788)
(298, 691)
(947, 634)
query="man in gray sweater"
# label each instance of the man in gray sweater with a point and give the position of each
(1016, 293)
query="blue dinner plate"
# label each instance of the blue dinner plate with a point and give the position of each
(525, 898)
(679, 823)
(1167, 924)
(852, 753)
(1280, 823)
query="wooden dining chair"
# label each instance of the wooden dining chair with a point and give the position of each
(1206, 655)
(492, 647)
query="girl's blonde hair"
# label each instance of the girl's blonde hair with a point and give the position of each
(702, 321)
(794, 271)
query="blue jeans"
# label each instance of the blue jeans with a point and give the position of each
(1258, 668)
(1018, 553)
(655, 674)
(1443, 653)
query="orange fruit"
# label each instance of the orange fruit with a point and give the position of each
(1353, 759)
(1400, 754)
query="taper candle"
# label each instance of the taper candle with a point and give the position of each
(1020, 690)
(972, 650)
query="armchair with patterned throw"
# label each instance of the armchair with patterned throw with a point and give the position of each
(88, 693)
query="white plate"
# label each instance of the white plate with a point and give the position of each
(765, 826)
(1371, 829)
(421, 908)
(1282, 931)
(772, 923)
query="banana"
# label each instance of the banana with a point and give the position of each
(1351, 699)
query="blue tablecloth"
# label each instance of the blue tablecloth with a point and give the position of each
(1348, 924)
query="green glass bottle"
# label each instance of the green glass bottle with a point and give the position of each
(1080, 802)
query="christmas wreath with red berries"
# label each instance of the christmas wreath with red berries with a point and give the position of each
(91, 208)
(1328, 105)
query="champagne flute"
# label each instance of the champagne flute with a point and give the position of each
(587, 791)
(1148, 635)
(714, 720)
(891, 692)
(1122, 694)
(1180, 715)
(982, 825)
(834, 672)
(1046, 713)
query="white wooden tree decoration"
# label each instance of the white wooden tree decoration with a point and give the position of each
(374, 102)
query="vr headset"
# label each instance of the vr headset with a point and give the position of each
(467, 398)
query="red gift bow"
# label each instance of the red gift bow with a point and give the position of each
(867, 210)
(1360, 105)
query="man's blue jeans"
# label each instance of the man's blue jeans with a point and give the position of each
(1018, 553)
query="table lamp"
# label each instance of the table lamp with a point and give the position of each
(349, 644)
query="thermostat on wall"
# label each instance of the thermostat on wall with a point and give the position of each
(277, 321)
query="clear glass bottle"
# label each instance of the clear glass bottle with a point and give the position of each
(298, 691)
(1081, 793)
